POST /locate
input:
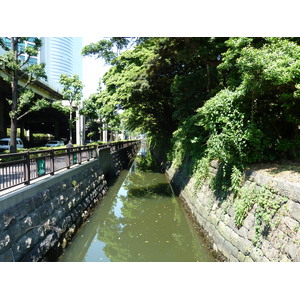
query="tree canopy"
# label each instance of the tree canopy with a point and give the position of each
(72, 91)
(231, 99)
(16, 64)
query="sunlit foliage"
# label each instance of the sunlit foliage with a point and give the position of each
(235, 100)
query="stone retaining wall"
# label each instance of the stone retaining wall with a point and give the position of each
(37, 221)
(217, 218)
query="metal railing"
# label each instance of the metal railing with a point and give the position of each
(22, 168)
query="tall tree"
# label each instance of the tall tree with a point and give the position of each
(162, 81)
(92, 115)
(72, 91)
(21, 73)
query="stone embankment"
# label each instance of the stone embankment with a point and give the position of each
(217, 217)
(37, 221)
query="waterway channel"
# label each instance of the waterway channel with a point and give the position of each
(138, 220)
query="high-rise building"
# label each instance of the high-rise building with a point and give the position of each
(62, 55)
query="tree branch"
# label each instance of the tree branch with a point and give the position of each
(21, 116)
(9, 75)
(29, 81)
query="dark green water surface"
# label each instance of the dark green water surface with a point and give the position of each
(139, 220)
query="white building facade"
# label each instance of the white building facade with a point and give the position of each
(62, 55)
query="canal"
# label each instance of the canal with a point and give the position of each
(138, 220)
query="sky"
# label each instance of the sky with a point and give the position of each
(92, 68)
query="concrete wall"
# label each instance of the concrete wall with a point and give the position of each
(217, 218)
(37, 221)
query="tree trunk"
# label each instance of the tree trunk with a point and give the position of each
(13, 135)
(14, 105)
(70, 127)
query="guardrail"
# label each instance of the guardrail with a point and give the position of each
(22, 168)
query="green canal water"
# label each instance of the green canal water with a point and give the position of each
(139, 220)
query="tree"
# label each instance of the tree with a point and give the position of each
(127, 88)
(110, 48)
(92, 115)
(72, 91)
(236, 100)
(265, 73)
(21, 73)
(161, 82)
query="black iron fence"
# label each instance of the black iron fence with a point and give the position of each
(22, 168)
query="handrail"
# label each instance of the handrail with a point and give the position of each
(23, 167)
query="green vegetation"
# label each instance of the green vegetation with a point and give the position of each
(91, 111)
(267, 204)
(72, 91)
(233, 100)
(17, 66)
(236, 99)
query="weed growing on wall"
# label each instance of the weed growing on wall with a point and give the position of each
(244, 203)
(265, 203)
(201, 172)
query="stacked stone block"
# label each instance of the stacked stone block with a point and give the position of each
(38, 227)
(217, 218)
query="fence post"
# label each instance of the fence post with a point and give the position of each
(79, 156)
(88, 154)
(52, 162)
(68, 158)
(27, 168)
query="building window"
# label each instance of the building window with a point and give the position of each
(31, 40)
(21, 48)
(33, 60)
(7, 42)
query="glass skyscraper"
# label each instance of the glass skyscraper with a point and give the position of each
(62, 55)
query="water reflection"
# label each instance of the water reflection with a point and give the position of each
(139, 220)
